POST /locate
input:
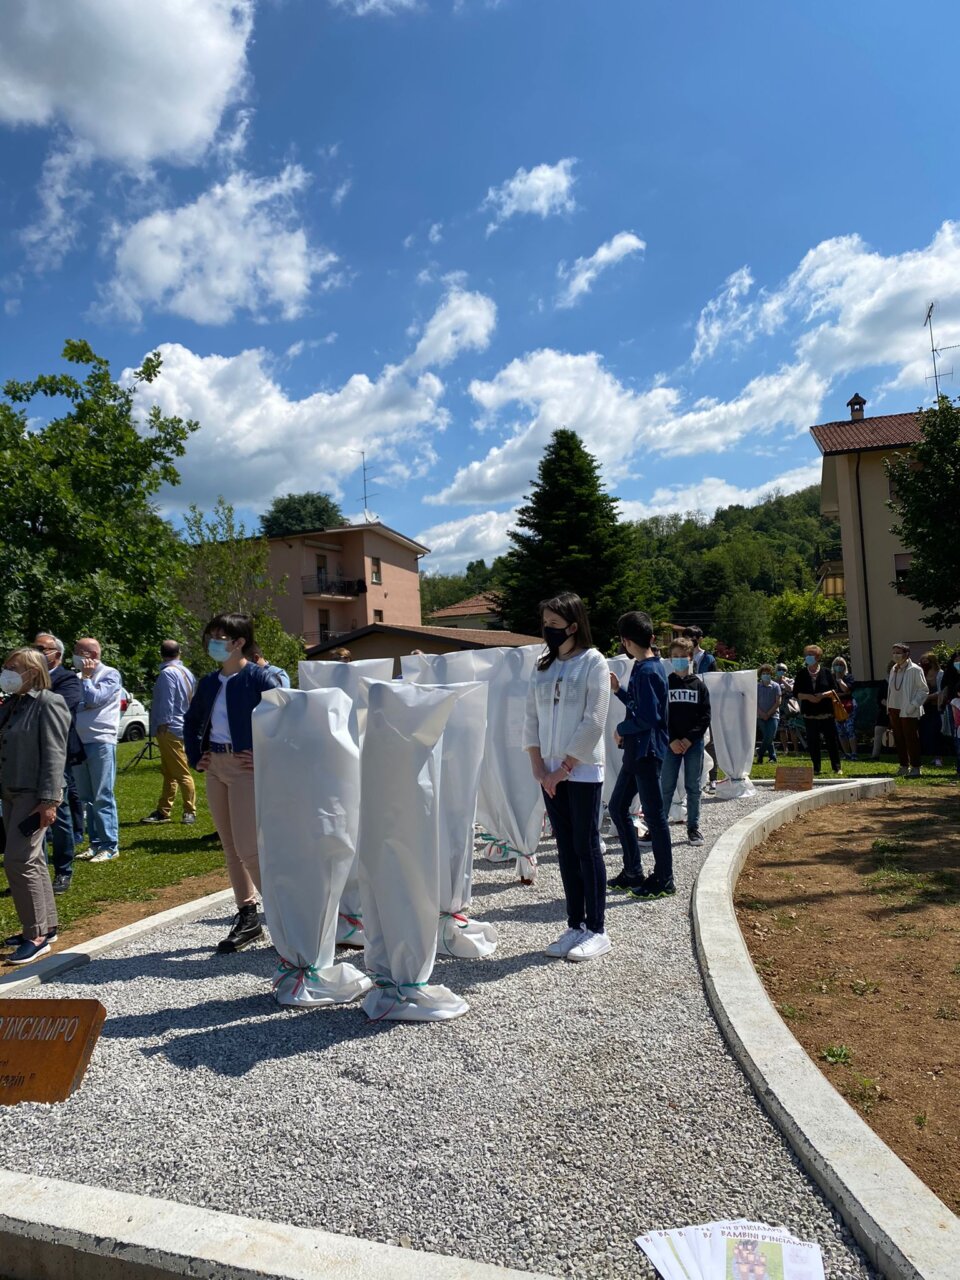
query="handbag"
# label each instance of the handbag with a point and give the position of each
(840, 712)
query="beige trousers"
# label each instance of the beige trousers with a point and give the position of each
(176, 773)
(25, 862)
(233, 809)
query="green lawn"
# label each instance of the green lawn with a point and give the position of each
(150, 857)
(885, 767)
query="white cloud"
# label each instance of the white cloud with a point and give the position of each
(544, 190)
(135, 82)
(849, 307)
(435, 234)
(617, 424)
(255, 441)
(724, 315)
(463, 322)
(481, 536)
(580, 277)
(361, 8)
(341, 192)
(236, 248)
(710, 493)
(852, 309)
(63, 197)
(408, 241)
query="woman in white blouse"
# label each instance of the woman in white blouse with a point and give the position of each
(563, 733)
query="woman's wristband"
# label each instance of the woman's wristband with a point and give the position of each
(567, 768)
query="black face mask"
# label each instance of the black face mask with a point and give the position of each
(553, 638)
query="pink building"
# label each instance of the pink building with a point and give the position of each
(339, 580)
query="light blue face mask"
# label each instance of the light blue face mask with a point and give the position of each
(767, 678)
(956, 666)
(219, 650)
(680, 665)
(810, 659)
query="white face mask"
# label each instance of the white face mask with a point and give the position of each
(10, 681)
(78, 660)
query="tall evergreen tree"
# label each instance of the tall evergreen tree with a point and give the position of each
(568, 538)
(926, 482)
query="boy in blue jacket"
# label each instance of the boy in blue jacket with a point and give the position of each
(645, 744)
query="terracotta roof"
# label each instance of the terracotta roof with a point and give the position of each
(464, 637)
(371, 526)
(888, 431)
(482, 603)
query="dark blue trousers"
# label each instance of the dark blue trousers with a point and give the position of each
(574, 814)
(619, 809)
(647, 773)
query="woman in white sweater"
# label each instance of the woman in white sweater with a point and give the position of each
(563, 733)
(907, 691)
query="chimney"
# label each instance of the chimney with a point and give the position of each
(855, 405)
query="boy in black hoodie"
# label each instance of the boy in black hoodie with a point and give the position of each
(688, 719)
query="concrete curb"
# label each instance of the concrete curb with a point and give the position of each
(905, 1230)
(53, 966)
(50, 1230)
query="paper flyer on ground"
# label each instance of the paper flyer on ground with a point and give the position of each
(737, 1250)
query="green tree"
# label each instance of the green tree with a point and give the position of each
(437, 590)
(567, 538)
(300, 513)
(925, 482)
(228, 573)
(84, 550)
(798, 618)
(740, 621)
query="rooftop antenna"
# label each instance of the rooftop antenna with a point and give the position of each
(368, 517)
(936, 352)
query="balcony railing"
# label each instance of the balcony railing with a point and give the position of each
(321, 584)
(310, 638)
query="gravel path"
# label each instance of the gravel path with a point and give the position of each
(573, 1107)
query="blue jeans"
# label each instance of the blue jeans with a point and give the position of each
(95, 782)
(63, 843)
(619, 809)
(692, 761)
(768, 737)
(574, 814)
(646, 771)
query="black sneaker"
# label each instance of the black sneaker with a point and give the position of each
(17, 939)
(61, 883)
(621, 882)
(246, 928)
(653, 888)
(694, 836)
(155, 818)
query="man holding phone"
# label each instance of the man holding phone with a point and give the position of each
(98, 721)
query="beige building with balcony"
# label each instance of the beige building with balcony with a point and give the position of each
(340, 580)
(855, 489)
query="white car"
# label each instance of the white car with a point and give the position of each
(134, 719)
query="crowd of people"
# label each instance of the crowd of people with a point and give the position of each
(58, 752)
(59, 727)
(815, 709)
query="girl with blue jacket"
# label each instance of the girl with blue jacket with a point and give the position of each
(566, 714)
(218, 739)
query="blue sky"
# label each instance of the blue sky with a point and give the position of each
(436, 230)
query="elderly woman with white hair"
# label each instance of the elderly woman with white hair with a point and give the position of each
(34, 724)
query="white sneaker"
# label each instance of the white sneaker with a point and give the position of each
(105, 855)
(592, 945)
(566, 942)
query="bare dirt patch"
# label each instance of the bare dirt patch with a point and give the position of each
(852, 918)
(114, 915)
